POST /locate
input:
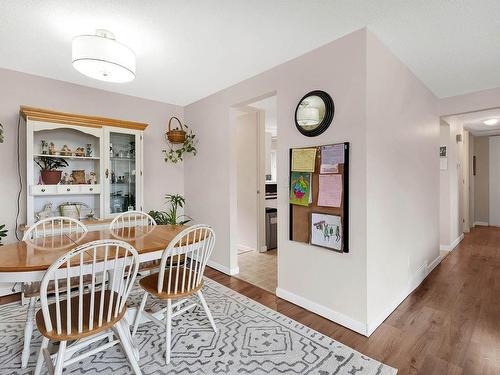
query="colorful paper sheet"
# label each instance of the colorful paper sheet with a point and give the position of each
(303, 159)
(330, 190)
(331, 157)
(300, 188)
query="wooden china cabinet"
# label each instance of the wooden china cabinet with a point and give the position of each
(104, 175)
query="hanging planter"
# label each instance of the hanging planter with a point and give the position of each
(180, 141)
(177, 135)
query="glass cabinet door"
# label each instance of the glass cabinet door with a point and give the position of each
(122, 172)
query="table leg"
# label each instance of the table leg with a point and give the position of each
(28, 331)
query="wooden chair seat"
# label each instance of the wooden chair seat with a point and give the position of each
(150, 284)
(33, 289)
(86, 331)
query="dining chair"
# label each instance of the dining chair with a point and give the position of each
(86, 318)
(131, 219)
(122, 226)
(53, 227)
(178, 280)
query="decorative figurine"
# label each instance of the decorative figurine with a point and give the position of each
(45, 213)
(52, 149)
(88, 150)
(92, 178)
(66, 151)
(67, 179)
(80, 151)
(44, 147)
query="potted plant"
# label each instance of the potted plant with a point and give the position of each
(182, 136)
(3, 233)
(163, 218)
(49, 169)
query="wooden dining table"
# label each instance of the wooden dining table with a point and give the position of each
(27, 261)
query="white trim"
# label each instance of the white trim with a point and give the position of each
(420, 276)
(451, 246)
(325, 312)
(223, 269)
(483, 223)
(246, 248)
(434, 264)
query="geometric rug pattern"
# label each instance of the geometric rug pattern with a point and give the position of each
(251, 339)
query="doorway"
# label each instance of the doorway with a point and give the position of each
(257, 193)
(470, 181)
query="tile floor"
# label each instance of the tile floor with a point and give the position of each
(259, 269)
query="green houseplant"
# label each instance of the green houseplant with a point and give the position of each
(3, 233)
(170, 217)
(174, 154)
(49, 169)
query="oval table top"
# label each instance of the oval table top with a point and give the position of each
(40, 253)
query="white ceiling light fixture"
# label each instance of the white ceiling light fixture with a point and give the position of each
(491, 121)
(101, 57)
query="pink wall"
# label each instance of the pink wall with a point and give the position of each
(24, 89)
(475, 101)
(331, 284)
(402, 181)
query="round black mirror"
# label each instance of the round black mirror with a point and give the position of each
(314, 113)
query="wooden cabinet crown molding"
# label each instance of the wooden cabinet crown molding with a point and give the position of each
(39, 114)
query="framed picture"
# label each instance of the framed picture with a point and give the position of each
(442, 151)
(326, 231)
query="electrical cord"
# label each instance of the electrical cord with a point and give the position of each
(20, 183)
(18, 212)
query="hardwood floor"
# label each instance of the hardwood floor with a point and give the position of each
(449, 325)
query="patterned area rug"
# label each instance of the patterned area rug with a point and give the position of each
(252, 339)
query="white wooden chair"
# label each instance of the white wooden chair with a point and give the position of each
(51, 227)
(130, 219)
(123, 226)
(178, 280)
(87, 318)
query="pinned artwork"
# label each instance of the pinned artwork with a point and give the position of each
(300, 188)
(443, 158)
(326, 231)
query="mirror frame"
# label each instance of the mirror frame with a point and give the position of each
(327, 120)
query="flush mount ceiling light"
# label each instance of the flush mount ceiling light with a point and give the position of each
(491, 121)
(101, 57)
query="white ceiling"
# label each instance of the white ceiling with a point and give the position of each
(473, 122)
(189, 49)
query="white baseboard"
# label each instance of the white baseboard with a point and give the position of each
(483, 223)
(325, 312)
(433, 264)
(420, 276)
(451, 246)
(245, 248)
(223, 269)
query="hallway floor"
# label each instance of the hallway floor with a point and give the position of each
(449, 325)
(259, 269)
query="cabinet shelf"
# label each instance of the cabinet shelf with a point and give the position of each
(68, 157)
(116, 158)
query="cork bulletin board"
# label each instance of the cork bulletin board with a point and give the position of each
(329, 221)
